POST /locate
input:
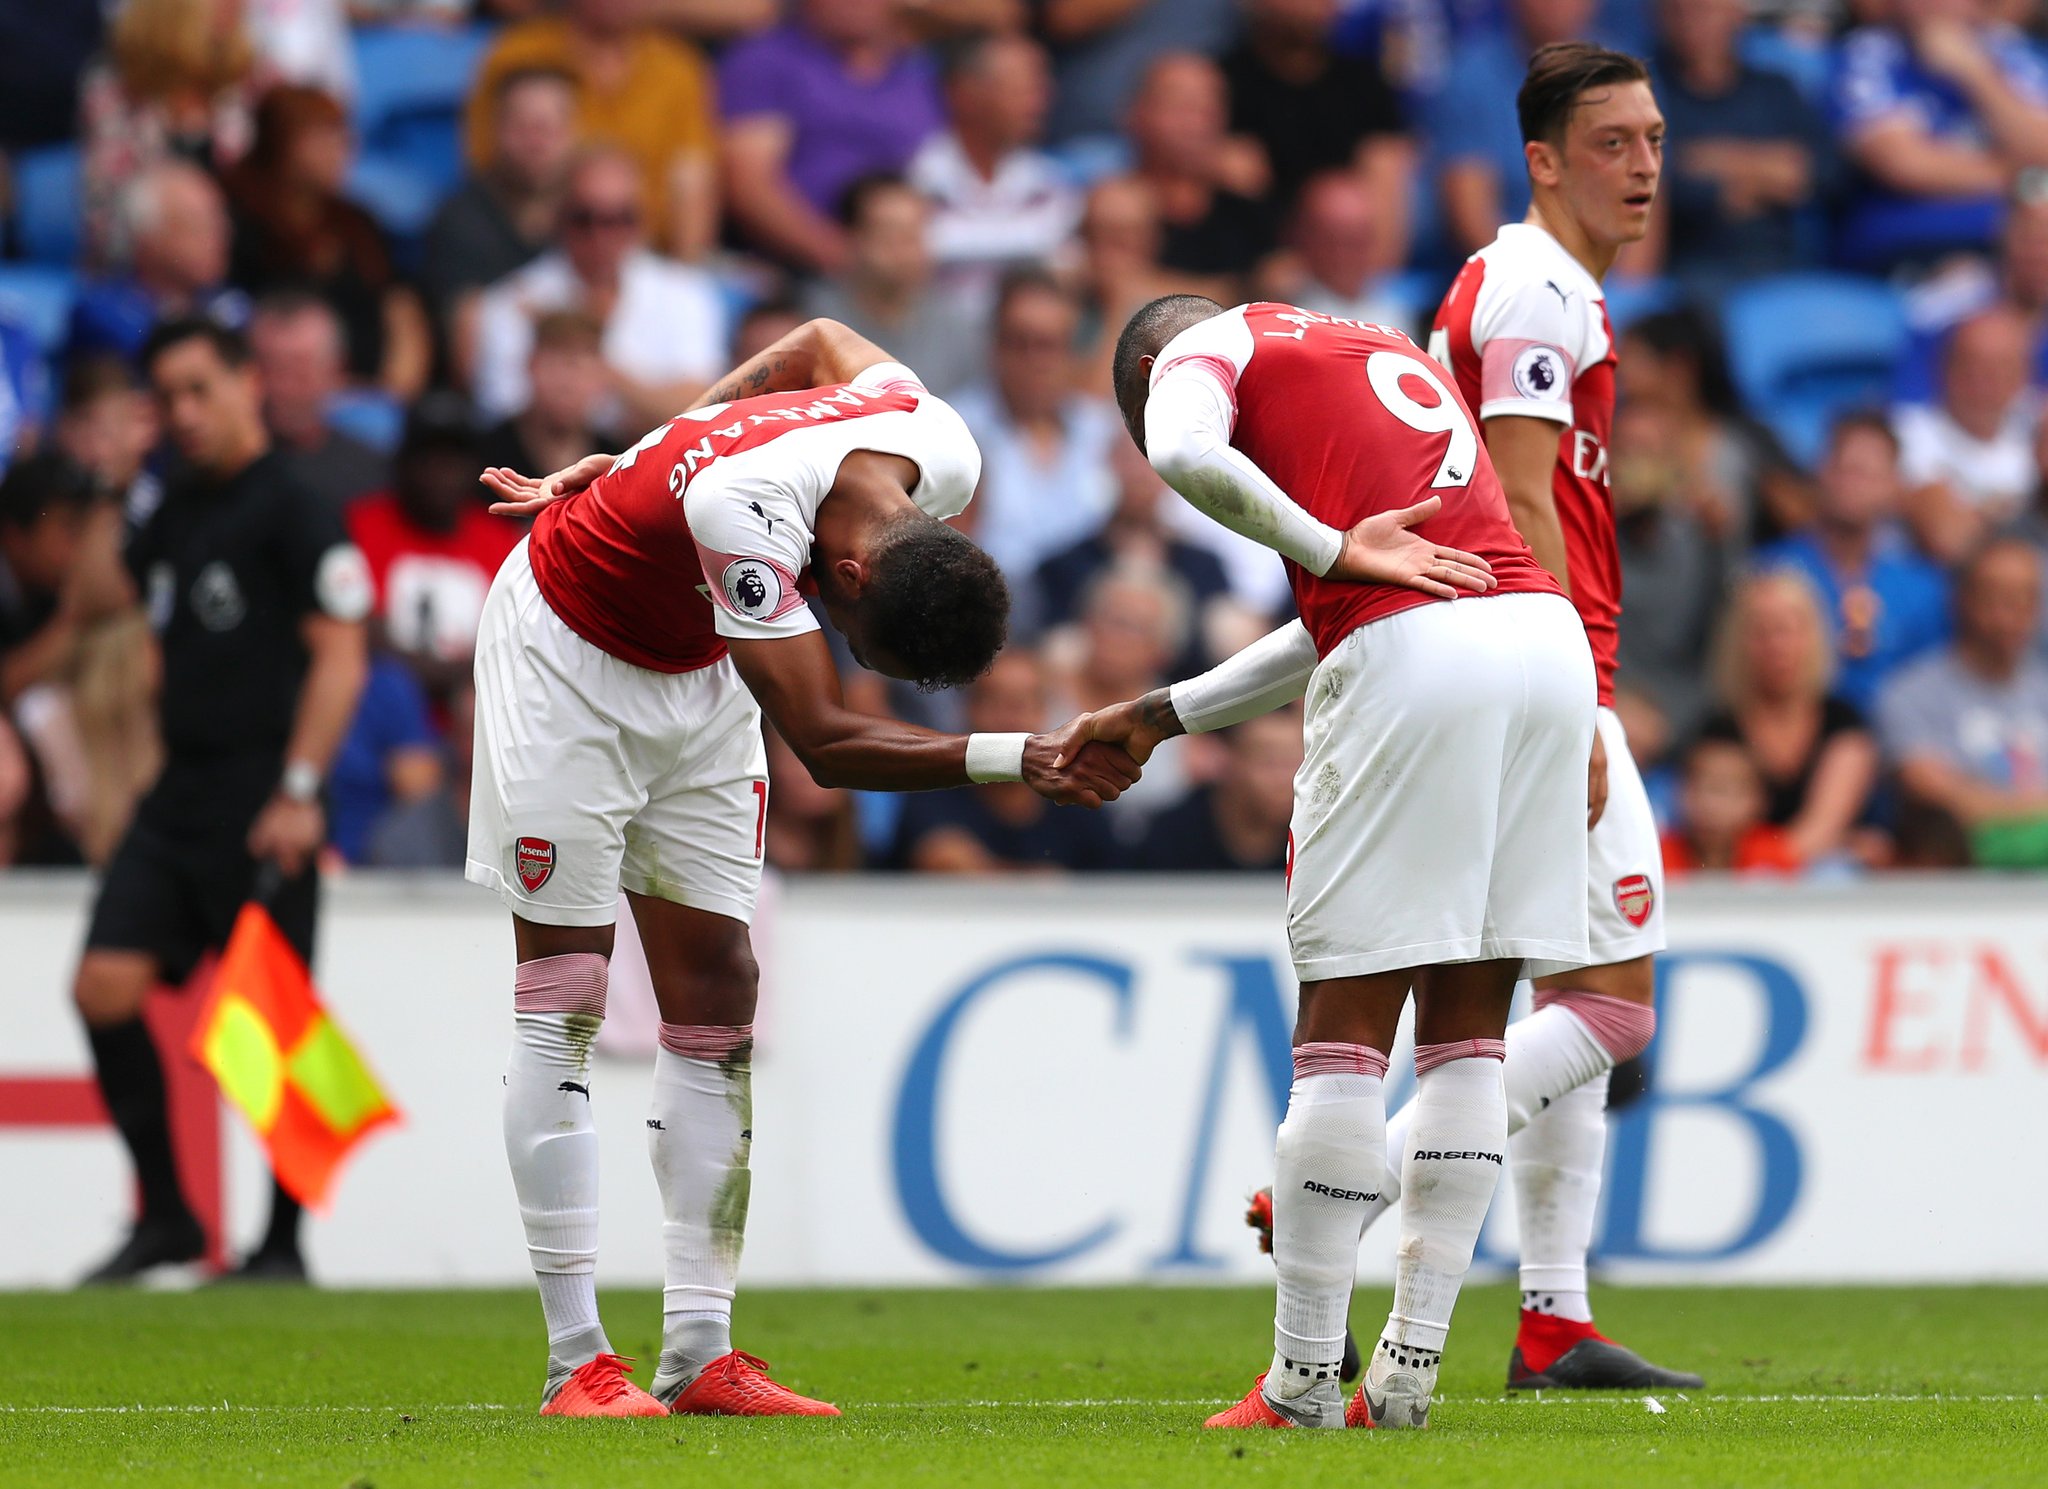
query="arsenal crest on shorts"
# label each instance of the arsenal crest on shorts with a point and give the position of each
(1634, 897)
(534, 858)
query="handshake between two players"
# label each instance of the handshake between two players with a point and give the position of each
(1094, 757)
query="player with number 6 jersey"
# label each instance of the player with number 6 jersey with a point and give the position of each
(628, 652)
(1439, 815)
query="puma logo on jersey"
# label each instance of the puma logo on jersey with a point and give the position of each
(755, 508)
(1564, 297)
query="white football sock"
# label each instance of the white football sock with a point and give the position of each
(1557, 1152)
(699, 1135)
(551, 1144)
(1550, 1052)
(1457, 1141)
(1556, 1164)
(1330, 1155)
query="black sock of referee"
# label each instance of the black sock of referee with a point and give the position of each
(282, 1239)
(132, 1083)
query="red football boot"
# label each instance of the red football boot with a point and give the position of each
(737, 1385)
(600, 1389)
(1561, 1354)
(1322, 1406)
(1253, 1411)
(1259, 1216)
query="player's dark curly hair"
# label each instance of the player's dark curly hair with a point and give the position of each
(1145, 334)
(935, 602)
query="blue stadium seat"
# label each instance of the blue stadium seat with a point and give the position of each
(377, 419)
(1808, 64)
(402, 198)
(406, 71)
(38, 297)
(1090, 158)
(412, 83)
(1629, 300)
(1804, 348)
(49, 201)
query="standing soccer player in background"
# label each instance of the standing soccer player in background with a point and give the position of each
(1524, 330)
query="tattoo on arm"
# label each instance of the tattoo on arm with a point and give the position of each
(1155, 713)
(746, 384)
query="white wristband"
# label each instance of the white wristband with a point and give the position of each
(301, 781)
(995, 757)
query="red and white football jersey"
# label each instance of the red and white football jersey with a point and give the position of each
(1351, 419)
(1525, 330)
(703, 530)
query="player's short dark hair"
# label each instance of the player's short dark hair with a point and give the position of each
(229, 344)
(1862, 421)
(1145, 334)
(1560, 76)
(41, 484)
(935, 602)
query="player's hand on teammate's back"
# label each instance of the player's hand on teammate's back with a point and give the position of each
(1596, 782)
(1069, 768)
(1382, 550)
(522, 496)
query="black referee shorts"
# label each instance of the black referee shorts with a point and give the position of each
(183, 872)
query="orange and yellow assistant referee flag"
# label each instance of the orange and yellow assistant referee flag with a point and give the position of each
(282, 1060)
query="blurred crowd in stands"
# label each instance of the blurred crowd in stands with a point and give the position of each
(509, 232)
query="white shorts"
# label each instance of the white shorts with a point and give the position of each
(1624, 862)
(593, 775)
(1440, 812)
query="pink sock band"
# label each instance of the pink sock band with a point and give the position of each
(561, 984)
(1429, 1056)
(1622, 1027)
(716, 1043)
(1338, 1059)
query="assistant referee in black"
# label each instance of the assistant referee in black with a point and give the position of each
(258, 602)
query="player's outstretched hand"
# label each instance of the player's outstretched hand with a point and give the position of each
(1137, 726)
(1382, 550)
(522, 496)
(1072, 770)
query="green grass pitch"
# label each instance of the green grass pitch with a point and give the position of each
(1806, 1386)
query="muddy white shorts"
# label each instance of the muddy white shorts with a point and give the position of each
(1440, 811)
(593, 775)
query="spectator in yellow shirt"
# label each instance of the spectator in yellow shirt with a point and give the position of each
(641, 89)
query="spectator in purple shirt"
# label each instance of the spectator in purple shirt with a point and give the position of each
(834, 94)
